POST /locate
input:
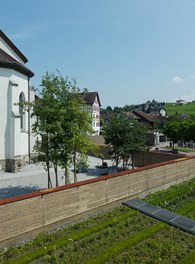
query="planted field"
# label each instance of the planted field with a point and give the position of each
(172, 109)
(120, 235)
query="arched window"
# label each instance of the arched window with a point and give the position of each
(22, 111)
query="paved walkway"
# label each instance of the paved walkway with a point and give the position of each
(33, 177)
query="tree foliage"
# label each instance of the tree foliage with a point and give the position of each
(126, 136)
(176, 130)
(172, 131)
(62, 126)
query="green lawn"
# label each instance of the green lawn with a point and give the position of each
(187, 109)
(187, 150)
(120, 235)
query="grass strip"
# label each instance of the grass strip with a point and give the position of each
(189, 207)
(42, 250)
(27, 258)
(118, 248)
(180, 149)
(172, 194)
(189, 258)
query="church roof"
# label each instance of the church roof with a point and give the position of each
(7, 61)
(13, 47)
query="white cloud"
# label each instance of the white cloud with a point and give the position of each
(192, 77)
(177, 79)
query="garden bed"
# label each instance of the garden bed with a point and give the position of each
(120, 235)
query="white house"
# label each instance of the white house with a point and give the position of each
(93, 102)
(180, 102)
(15, 139)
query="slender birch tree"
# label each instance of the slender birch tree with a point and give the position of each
(63, 126)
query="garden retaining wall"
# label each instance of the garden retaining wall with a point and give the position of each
(22, 215)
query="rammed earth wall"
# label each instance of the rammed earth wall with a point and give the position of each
(28, 214)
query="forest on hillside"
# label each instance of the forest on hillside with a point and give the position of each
(149, 107)
(153, 107)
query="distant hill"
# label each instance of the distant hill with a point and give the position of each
(153, 107)
(187, 109)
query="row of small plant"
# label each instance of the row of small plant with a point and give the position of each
(92, 224)
(166, 198)
(94, 244)
(109, 243)
(104, 235)
(170, 245)
(166, 245)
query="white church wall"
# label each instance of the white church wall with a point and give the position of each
(13, 139)
(4, 117)
(32, 121)
(14, 86)
(21, 135)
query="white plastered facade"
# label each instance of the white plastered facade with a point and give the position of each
(16, 144)
(96, 117)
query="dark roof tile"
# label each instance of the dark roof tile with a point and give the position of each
(141, 114)
(12, 46)
(89, 97)
(7, 61)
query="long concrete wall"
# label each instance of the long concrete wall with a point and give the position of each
(22, 215)
(153, 157)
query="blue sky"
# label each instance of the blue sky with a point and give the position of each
(130, 51)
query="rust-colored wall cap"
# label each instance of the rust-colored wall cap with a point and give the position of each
(78, 184)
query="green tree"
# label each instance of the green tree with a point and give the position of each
(63, 125)
(48, 123)
(175, 117)
(109, 109)
(187, 130)
(135, 140)
(80, 128)
(126, 136)
(172, 131)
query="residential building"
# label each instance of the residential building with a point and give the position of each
(180, 102)
(153, 136)
(15, 140)
(93, 102)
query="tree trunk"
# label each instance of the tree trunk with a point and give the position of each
(117, 159)
(173, 145)
(123, 163)
(47, 162)
(66, 175)
(74, 164)
(48, 176)
(56, 174)
(132, 160)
